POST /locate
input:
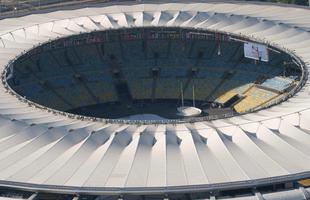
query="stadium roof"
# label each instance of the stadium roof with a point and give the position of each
(49, 151)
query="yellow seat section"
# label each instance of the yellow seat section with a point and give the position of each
(238, 90)
(254, 98)
(305, 182)
(225, 97)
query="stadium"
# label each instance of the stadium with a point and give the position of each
(155, 100)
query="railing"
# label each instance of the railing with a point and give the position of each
(158, 190)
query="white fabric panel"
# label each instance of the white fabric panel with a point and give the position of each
(231, 167)
(137, 18)
(245, 141)
(20, 164)
(138, 175)
(295, 136)
(176, 174)
(87, 148)
(196, 19)
(282, 152)
(248, 163)
(86, 23)
(100, 175)
(120, 172)
(157, 170)
(9, 127)
(213, 170)
(102, 20)
(194, 171)
(84, 172)
(67, 146)
(58, 164)
(74, 27)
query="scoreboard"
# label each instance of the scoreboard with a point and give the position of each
(256, 51)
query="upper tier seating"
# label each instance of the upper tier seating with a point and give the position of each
(278, 83)
(141, 89)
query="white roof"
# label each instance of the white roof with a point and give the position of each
(40, 149)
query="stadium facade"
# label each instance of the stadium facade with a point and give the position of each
(262, 154)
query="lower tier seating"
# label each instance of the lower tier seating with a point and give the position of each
(254, 98)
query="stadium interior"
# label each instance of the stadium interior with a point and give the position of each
(129, 72)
